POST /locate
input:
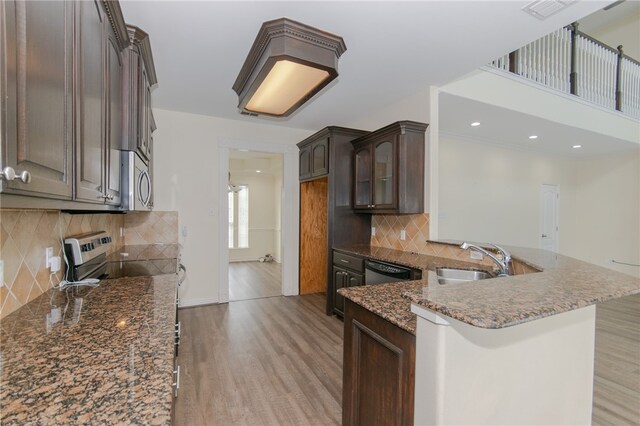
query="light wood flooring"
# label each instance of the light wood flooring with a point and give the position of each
(273, 361)
(616, 389)
(278, 361)
(254, 280)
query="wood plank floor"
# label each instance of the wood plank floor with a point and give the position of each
(273, 361)
(616, 390)
(253, 280)
(278, 361)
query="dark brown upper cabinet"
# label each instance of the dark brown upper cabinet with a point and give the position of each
(36, 59)
(139, 79)
(314, 158)
(388, 171)
(102, 37)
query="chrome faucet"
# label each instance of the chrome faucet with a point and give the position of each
(504, 264)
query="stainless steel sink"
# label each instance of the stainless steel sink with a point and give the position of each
(453, 275)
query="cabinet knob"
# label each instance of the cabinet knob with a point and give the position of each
(9, 174)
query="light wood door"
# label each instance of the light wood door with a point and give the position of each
(91, 139)
(313, 236)
(36, 60)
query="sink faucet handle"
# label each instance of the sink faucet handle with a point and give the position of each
(505, 254)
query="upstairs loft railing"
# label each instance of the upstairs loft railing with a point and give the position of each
(573, 62)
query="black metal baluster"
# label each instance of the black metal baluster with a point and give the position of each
(573, 76)
(619, 79)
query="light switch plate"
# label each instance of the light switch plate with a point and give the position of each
(1, 273)
(373, 231)
(403, 234)
(48, 254)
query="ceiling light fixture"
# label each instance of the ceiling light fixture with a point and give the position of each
(533, 137)
(576, 146)
(287, 65)
(475, 124)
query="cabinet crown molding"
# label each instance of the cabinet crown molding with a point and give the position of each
(141, 39)
(114, 12)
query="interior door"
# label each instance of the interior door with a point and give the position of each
(549, 218)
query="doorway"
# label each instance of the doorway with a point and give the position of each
(550, 217)
(254, 224)
(289, 214)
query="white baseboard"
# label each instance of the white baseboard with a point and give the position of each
(186, 303)
(243, 259)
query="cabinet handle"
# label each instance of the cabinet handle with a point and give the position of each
(9, 174)
(344, 261)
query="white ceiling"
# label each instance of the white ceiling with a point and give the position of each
(605, 19)
(512, 129)
(392, 48)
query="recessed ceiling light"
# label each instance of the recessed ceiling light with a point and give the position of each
(243, 150)
(576, 146)
(258, 171)
(533, 137)
(475, 124)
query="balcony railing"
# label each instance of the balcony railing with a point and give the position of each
(573, 62)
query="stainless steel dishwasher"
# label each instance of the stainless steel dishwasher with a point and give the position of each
(380, 273)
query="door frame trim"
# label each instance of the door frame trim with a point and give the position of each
(289, 213)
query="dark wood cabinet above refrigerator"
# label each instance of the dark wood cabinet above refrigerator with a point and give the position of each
(326, 216)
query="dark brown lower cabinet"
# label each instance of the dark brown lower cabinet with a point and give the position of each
(379, 370)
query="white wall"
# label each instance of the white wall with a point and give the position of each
(492, 194)
(264, 211)
(186, 180)
(605, 215)
(625, 33)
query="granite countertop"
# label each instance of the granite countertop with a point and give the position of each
(91, 355)
(563, 285)
(135, 253)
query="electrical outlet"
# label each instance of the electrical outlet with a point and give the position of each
(48, 254)
(1, 273)
(475, 255)
(403, 234)
(373, 231)
(122, 231)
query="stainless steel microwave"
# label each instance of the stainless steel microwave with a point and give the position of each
(136, 183)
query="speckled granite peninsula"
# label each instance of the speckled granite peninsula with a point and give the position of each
(91, 356)
(563, 285)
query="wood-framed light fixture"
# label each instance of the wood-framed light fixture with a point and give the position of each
(287, 65)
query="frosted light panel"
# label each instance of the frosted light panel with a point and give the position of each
(284, 86)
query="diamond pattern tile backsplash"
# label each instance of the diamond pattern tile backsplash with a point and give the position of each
(24, 235)
(388, 229)
(151, 228)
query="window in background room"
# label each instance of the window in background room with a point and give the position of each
(239, 217)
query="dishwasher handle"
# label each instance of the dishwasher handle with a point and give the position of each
(388, 270)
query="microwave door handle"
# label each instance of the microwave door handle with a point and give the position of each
(148, 181)
(139, 185)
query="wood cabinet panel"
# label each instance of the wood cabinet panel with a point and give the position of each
(90, 143)
(313, 236)
(305, 163)
(378, 370)
(36, 59)
(320, 158)
(389, 169)
(114, 69)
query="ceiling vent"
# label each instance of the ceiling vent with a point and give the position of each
(542, 9)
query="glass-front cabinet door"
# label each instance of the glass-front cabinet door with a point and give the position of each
(362, 193)
(383, 175)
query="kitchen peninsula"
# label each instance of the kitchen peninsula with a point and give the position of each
(506, 350)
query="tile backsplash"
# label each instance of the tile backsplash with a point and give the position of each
(25, 234)
(151, 228)
(388, 229)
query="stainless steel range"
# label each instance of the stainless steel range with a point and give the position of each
(86, 255)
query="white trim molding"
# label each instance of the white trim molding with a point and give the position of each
(289, 213)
